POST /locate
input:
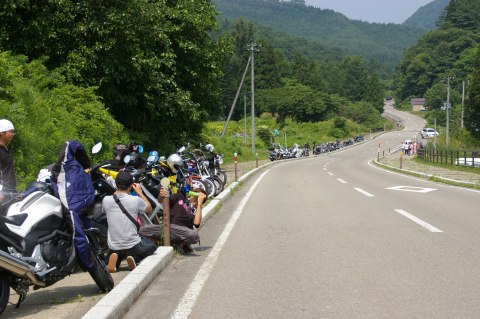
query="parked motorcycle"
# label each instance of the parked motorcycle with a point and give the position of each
(36, 244)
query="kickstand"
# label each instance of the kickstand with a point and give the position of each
(21, 299)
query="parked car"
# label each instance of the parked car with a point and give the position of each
(428, 133)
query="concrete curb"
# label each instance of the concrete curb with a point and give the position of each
(117, 302)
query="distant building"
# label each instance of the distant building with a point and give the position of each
(418, 104)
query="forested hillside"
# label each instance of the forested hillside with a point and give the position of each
(383, 42)
(450, 51)
(427, 16)
(302, 88)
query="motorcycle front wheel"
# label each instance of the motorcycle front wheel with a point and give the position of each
(100, 274)
(4, 292)
(209, 187)
(222, 175)
(218, 184)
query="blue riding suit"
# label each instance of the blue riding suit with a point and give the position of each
(75, 189)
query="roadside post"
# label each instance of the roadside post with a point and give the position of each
(165, 182)
(256, 160)
(235, 160)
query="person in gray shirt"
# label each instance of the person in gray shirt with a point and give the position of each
(123, 239)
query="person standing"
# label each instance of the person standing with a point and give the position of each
(7, 170)
(123, 239)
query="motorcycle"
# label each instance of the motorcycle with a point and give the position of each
(36, 244)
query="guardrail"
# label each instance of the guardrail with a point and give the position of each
(452, 157)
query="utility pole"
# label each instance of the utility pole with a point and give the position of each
(253, 47)
(463, 103)
(245, 118)
(448, 110)
(236, 97)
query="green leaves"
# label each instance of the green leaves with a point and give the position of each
(46, 112)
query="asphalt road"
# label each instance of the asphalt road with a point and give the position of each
(330, 237)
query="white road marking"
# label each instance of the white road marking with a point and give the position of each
(189, 299)
(330, 173)
(341, 181)
(419, 221)
(324, 168)
(363, 192)
(412, 189)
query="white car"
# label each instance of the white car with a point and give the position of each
(428, 133)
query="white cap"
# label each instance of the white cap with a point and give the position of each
(5, 125)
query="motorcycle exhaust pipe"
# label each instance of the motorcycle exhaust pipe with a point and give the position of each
(19, 267)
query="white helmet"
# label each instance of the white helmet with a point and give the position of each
(174, 161)
(5, 125)
(209, 147)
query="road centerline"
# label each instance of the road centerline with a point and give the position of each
(363, 192)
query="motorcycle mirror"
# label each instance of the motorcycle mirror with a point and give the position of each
(140, 148)
(97, 147)
(127, 159)
(165, 182)
(182, 149)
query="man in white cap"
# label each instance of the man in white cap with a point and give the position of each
(7, 171)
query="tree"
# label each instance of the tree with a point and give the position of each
(151, 59)
(47, 111)
(355, 78)
(472, 106)
(374, 92)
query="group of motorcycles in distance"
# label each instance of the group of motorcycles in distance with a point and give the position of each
(36, 245)
(277, 152)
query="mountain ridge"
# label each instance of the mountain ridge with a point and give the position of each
(383, 42)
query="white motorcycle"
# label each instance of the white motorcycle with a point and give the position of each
(36, 244)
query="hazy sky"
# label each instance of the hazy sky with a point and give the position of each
(383, 11)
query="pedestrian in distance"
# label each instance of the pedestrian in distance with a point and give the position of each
(7, 169)
(122, 211)
(185, 217)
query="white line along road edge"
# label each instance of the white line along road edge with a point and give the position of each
(188, 301)
(419, 221)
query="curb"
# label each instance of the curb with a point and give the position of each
(116, 303)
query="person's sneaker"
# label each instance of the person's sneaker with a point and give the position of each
(131, 263)
(112, 263)
(187, 249)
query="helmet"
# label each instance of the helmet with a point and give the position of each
(5, 125)
(174, 161)
(153, 155)
(119, 150)
(209, 148)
